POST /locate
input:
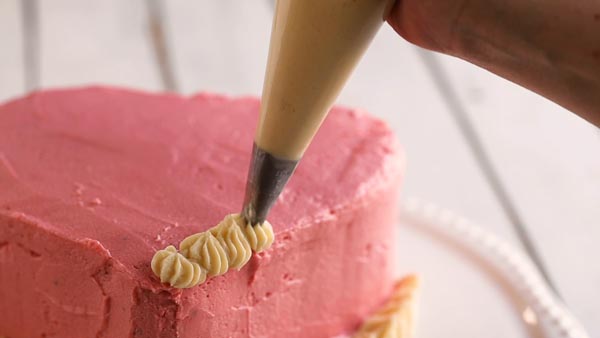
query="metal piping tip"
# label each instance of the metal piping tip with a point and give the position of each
(267, 177)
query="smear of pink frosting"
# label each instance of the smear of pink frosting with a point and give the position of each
(94, 180)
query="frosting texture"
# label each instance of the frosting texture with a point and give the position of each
(213, 252)
(173, 268)
(233, 240)
(206, 249)
(396, 317)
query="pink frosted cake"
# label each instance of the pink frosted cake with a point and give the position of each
(94, 181)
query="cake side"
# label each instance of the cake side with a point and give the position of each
(133, 172)
(54, 287)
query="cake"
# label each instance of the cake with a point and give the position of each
(93, 181)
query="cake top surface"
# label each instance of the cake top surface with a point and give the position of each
(133, 172)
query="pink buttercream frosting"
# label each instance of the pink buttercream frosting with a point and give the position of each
(93, 181)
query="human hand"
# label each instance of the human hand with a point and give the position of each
(548, 46)
(429, 24)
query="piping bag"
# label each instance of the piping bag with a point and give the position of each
(315, 45)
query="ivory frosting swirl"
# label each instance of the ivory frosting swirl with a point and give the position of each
(228, 245)
(173, 268)
(229, 232)
(260, 236)
(206, 249)
(396, 318)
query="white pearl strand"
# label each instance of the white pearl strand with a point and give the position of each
(552, 316)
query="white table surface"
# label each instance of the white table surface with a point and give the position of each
(488, 149)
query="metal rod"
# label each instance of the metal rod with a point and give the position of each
(160, 43)
(474, 141)
(31, 44)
